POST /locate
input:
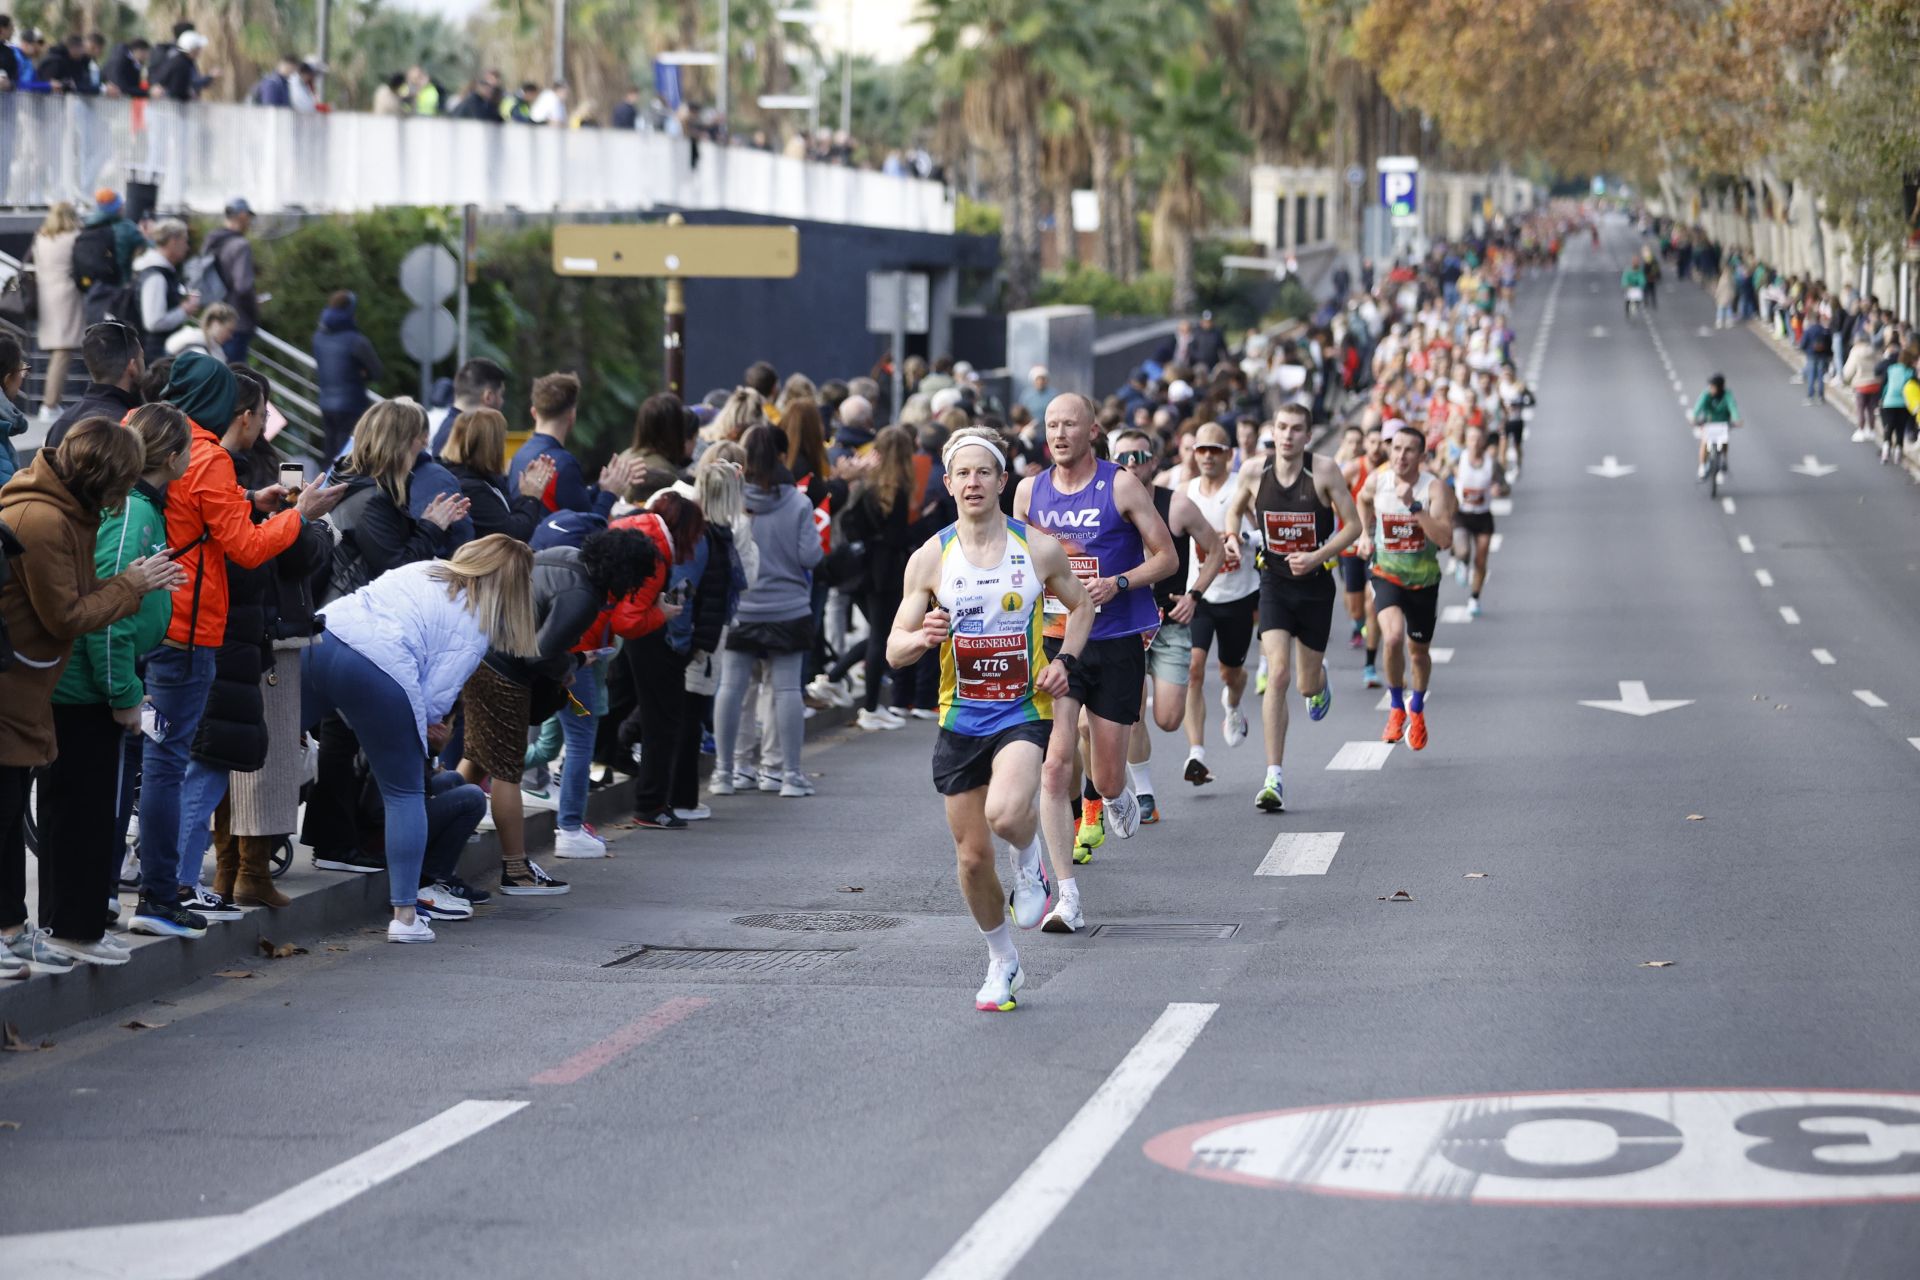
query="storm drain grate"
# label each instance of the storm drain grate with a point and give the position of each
(1168, 932)
(737, 960)
(820, 921)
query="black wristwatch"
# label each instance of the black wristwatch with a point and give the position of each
(1120, 581)
(1070, 661)
(1415, 507)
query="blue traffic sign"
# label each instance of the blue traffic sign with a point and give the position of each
(1399, 193)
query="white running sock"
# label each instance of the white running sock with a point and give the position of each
(1197, 753)
(1069, 894)
(1273, 775)
(1000, 944)
(1028, 859)
(1140, 776)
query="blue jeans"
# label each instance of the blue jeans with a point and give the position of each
(235, 350)
(579, 732)
(334, 677)
(454, 809)
(173, 789)
(1816, 374)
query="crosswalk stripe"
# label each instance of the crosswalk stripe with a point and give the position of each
(1356, 756)
(1301, 853)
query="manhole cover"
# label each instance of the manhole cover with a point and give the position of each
(820, 921)
(739, 960)
(1168, 932)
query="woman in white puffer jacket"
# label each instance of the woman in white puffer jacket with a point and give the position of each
(394, 657)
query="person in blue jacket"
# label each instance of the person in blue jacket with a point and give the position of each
(556, 404)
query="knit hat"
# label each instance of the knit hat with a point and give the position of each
(203, 389)
(107, 199)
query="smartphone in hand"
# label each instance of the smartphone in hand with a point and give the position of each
(293, 478)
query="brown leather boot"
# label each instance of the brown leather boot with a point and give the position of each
(255, 886)
(226, 865)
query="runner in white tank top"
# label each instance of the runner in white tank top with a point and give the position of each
(1477, 478)
(1223, 620)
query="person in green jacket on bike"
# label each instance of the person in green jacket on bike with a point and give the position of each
(97, 703)
(1715, 407)
(1634, 281)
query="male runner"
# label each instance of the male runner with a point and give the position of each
(1225, 613)
(1119, 546)
(1352, 461)
(1294, 498)
(1516, 404)
(1409, 517)
(1374, 460)
(973, 592)
(1169, 655)
(1477, 479)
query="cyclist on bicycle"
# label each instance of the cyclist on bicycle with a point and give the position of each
(1716, 415)
(1633, 281)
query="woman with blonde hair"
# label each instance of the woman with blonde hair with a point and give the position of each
(798, 386)
(744, 409)
(62, 320)
(476, 454)
(376, 532)
(393, 658)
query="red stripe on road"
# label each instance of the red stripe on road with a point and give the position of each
(625, 1040)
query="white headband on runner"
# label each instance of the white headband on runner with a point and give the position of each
(957, 443)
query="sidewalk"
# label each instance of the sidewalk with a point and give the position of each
(324, 902)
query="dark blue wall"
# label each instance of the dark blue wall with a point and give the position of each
(815, 323)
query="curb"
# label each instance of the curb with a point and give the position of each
(333, 903)
(1840, 399)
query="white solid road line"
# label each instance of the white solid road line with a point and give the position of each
(1746, 544)
(1789, 615)
(1869, 697)
(995, 1244)
(1762, 577)
(1356, 756)
(1300, 853)
(1822, 657)
(188, 1248)
(1726, 505)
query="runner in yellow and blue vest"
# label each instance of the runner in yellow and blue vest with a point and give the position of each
(974, 592)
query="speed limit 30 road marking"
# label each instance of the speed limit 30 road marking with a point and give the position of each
(1641, 1148)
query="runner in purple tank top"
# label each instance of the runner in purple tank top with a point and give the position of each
(1119, 546)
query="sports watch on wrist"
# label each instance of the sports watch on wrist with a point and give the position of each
(1120, 582)
(1415, 507)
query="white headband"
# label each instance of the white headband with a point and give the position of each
(956, 443)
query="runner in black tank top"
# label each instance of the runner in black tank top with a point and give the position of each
(1294, 500)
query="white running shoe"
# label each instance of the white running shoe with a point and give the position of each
(1460, 571)
(923, 713)
(442, 903)
(1064, 918)
(547, 801)
(1233, 725)
(721, 784)
(101, 952)
(581, 842)
(1003, 981)
(1123, 814)
(796, 787)
(770, 783)
(1032, 893)
(1473, 607)
(832, 692)
(699, 813)
(871, 720)
(418, 931)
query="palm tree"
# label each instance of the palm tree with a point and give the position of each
(1193, 148)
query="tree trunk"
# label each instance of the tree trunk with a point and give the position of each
(1107, 190)
(1019, 231)
(1066, 242)
(1129, 213)
(1185, 296)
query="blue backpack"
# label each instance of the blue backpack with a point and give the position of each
(566, 529)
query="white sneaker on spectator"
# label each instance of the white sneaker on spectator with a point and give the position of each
(101, 952)
(923, 713)
(114, 941)
(699, 813)
(32, 948)
(796, 786)
(204, 901)
(581, 842)
(832, 692)
(442, 903)
(12, 966)
(769, 782)
(878, 720)
(418, 931)
(548, 800)
(722, 783)
(130, 870)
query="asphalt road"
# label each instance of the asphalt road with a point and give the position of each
(846, 1113)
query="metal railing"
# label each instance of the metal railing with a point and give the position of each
(293, 375)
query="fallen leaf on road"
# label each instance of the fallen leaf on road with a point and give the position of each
(139, 1024)
(9, 1124)
(1399, 895)
(336, 948)
(234, 973)
(1476, 875)
(853, 888)
(280, 951)
(1656, 964)
(1696, 817)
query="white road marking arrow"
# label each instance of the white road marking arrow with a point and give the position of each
(1599, 331)
(1611, 468)
(1812, 466)
(1634, 701)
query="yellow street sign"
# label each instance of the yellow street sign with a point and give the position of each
(659, 249)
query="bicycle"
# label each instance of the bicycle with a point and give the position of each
(1716, 435)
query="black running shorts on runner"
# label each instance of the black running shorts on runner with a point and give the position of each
(1420, 605)
(1474, 522)
(1230, 625)
(1353, 574)
(1305, 613)
(1110, 678)
(1515, 429)
(963, 763)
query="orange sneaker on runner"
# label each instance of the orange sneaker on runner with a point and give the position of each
(1417, 730)
(1396, 725)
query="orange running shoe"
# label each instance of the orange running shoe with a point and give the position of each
(1396, 725)
(1417, 730)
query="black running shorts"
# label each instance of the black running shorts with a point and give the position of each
(1110, 677)
(963, 763)
(1305, 613)
(1229, 624)
(1474, 522)
(1353, 574)
(1419, 605)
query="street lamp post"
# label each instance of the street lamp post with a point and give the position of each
(559, 42)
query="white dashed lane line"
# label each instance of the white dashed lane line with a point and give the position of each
(1789, 615)
(1746, 544)
(1762, 577)
(1726, 505)
(1822, 657)
(1356, 756)
(1301, 853)
(1869, 697)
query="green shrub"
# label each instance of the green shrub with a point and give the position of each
(974, 217)
(1081, 285)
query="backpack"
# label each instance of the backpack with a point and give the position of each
(94, 260)
(203, 274)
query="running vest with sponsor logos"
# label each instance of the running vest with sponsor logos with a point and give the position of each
(1401, 550)
(1290, 518)
(1167, 590)
(1100, 543)
(989, 661)
(1228, 586)
(1473, 485)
